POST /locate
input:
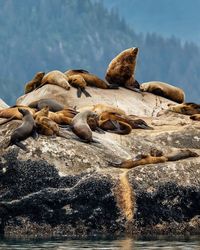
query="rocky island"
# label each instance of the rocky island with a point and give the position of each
(64, 187)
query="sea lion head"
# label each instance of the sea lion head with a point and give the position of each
(23, 111)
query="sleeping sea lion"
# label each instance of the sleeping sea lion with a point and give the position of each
(121, 70)
(46, 126)
(90, 79)
(34, 83)
(53, 105)
(100, 108)
(77, 81)
(55, 77)
(26, 129)
(165, 90)
(155, 156)
(13, 113)
(187, 108)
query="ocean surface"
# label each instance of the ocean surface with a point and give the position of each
(106, 244)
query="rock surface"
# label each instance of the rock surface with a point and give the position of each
(68, 188)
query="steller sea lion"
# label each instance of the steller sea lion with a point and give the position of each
(187, 108)
(34, 83)
(77, 81)
(155, 156)
(55, 77)
(121, 70)
(53, 105)
(80, 125)
(165, 90)
(112, 123)
(100, 108)
(26, 129)
(90, 79)
(45, 125)
(13, 113)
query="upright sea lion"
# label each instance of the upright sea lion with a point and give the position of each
(56, 77)
(34, 83)
(80, 125)
(46, 126)
(77, 81)
(90, 79)
(26, 129)
(121, 70)
(187, 108)
(165, 90)
(53, 105)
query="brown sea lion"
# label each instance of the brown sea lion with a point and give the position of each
(55, 77)
(26, 129)
(112, 123)
(34, 83)
(80, 125)
(46, 126)
(90, 79)
(155, 156)
(77, 81)
(135, 123)
(165, 90)
(122, 68)
(187, 108)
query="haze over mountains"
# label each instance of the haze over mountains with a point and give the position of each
(165, 17)
(47, 34)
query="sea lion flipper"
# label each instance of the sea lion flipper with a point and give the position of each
(21, 145)
(86, 93)
(133, 89)
(100, 131)
(115, 124)
(79, 92)
(34, 134)
(113, 86)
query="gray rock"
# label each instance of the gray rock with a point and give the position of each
(66, 187)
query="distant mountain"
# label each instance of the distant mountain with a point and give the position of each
(47, 34)
(165, 17)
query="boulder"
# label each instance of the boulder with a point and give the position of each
(64, 187)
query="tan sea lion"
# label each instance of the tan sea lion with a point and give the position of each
(26, 129)
(100, 108)
(90, 79)
(34, 83)
(155, 156)
(165, 90)
(121, 70)
(80, 126)
(77, 81)
(187, 108)
(55, 77)
(46, 126)
(13, 113)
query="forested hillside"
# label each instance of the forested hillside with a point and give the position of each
(47, 34)
(165, 17)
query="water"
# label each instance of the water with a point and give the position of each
(111, 244)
